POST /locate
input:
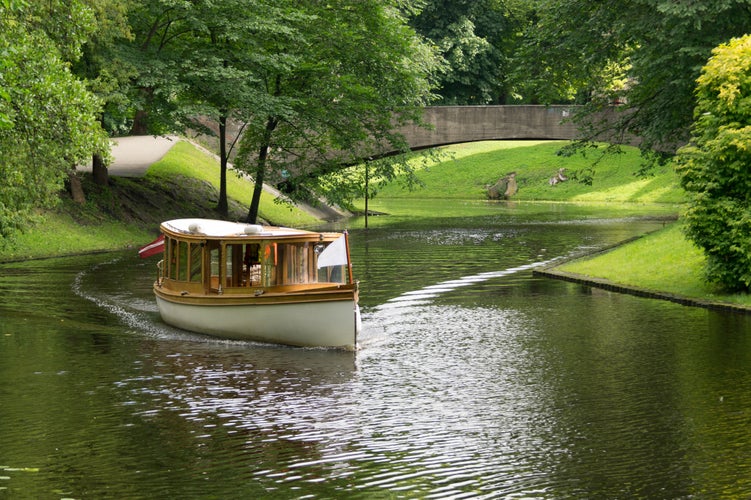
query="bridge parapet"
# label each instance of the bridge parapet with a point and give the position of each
(457, 124)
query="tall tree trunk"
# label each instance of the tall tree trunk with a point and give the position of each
(222, 206)
(263, 154)
(99, 170)
(140, 123)
(76, 189)
(258, 188)
(141, 118)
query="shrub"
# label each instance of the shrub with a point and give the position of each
(715, 167)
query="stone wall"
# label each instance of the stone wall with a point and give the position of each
(457, 124)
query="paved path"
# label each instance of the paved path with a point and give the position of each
(133, 155)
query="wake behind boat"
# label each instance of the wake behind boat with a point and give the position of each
(252, 282)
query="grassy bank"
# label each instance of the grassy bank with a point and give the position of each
(663, 261)
(184, 183)
(127, 213)
(466, 169)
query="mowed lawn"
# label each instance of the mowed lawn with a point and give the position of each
(465, 170)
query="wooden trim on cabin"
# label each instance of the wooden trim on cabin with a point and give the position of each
(190, 294)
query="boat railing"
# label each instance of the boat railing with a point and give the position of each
(160, 272)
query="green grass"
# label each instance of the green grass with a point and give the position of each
(184, 159)
(468, 168)
(56, 234)
(74, 229)
(664, 261)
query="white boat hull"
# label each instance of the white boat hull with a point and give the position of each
(305, 324)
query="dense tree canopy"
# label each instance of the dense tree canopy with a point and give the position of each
(644, 54)
(318, 85)
(313, 85)
(332, 86)
(475, 39)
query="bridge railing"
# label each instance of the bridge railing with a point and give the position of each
(457, 124)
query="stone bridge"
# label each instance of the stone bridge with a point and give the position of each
(457, 124)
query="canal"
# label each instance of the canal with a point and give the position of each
(475, 378)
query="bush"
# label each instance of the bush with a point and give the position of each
(715, 167)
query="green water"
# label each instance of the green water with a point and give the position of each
(475, 379)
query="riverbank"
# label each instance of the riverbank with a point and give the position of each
(127, 213)
(661, 265)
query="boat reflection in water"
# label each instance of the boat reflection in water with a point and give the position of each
(261, 283)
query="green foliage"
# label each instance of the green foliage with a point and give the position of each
(47, 117)
(714, 167)
(475, 39)
(655, 47)
(312, 85)
(332, 86)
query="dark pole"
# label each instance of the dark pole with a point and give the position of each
(366, 194)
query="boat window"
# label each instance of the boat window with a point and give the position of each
(243, 264)
(171, 260)
(252, 264)
(234, 265)
(296, 263)
(182, 261)
(271, 264)
(333, 274)
(196, 261)
(214, 258)
(335, 254)
(269, 260)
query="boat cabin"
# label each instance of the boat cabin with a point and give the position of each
(217, 257)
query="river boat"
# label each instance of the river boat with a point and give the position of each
(260, 283)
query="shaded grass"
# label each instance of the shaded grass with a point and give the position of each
(57, 233)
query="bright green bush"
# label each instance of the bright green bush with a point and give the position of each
(715, 167)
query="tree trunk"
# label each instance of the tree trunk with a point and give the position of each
(141, 119)
(140, 123)
(263, 154)
(99, 170)
(258, 188)
(222, 206)
(76, 189)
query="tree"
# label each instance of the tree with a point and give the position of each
(218, 78)
(715, 166)
(644, 55)
(475, 39)
(47, 117)
(191, 62)
(105, 73)
(162, 33)
(335, 79)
